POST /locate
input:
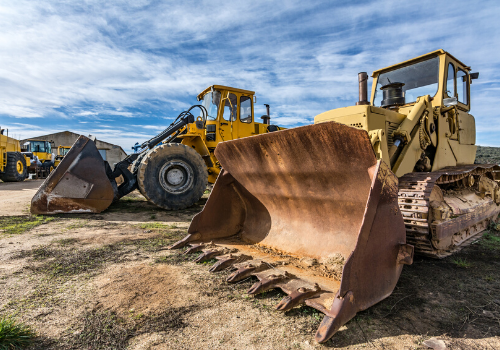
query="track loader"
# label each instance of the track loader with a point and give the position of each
(329, 213)
(171, 170)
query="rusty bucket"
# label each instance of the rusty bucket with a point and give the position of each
(79, 183)
(308, 210)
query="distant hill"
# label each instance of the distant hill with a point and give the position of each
(487, 155)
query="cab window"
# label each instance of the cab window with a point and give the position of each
(419, 79)
(462, 86)
(245, 109)
(230, 108)
(450, 81)
(38, 146)
(211, 103)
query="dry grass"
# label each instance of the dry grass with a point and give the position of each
(104, 329)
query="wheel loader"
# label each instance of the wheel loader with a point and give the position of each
(171, 170)
(43, 160)
(61, 152)
(329, 213)
(13, 164)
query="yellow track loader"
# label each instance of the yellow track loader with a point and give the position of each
(171, 170)
(13, 164)
(330, 212)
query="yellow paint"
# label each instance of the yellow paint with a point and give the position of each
(455, 132)
(7, 144)
(19, 167)
(239, 104)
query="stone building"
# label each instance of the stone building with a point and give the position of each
(112, 153)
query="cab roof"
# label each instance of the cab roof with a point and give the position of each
(419, 58)
(222, 87)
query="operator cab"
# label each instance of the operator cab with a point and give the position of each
(230, 114)
(35, 146)
(437, 74)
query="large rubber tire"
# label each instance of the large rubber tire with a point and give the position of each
(16, 169)
(173, 176)
(135, 164)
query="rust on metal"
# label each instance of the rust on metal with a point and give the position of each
(317, 214)
(78, 184)
(363, 89)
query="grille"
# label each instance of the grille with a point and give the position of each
(357, 125)
(211, 137)
(390, 129)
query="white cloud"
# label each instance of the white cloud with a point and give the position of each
(96, 63)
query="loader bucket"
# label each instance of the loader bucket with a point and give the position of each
(308, 210)
(78, 184)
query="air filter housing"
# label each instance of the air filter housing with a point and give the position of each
(393, 95)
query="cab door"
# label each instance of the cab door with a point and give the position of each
(229, 112)
(244, 126)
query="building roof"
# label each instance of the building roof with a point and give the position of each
(76, 135)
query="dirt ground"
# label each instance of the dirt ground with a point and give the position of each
(107, 281)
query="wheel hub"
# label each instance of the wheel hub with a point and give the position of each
(176, 176)
(19, 167)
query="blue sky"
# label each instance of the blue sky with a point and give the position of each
(122, 70)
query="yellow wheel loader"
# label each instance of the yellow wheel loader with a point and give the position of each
(41, 155)
(171, 170)
(329, 213)
(61, 152)
(13, 164)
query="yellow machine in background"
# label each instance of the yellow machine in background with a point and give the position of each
(171, 170)
(43, 159)
(13, 164)
(61, 152)
(329, 213)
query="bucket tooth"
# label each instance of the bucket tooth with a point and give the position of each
(185, 241)
(267, 282)
(298, 297)
(246, 270)
(209, 254)
(228, 260)
(195, 248)
(343, 309)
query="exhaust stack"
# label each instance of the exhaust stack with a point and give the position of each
(266, 119)
(363, 89)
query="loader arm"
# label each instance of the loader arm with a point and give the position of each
(407, 132)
